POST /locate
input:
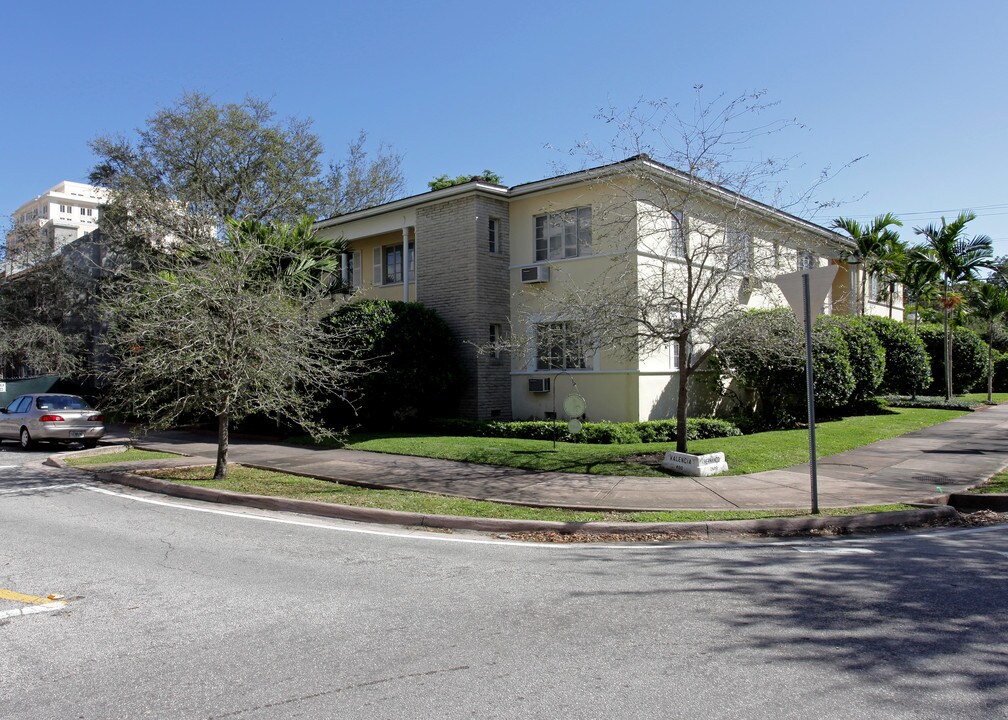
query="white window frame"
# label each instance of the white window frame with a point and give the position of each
(739, 250)
(381, 264)
(562, 234)
(493, 236)
(577, 358)
(495, 331)
(807, 260)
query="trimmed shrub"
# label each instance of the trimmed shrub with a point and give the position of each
(1000, 372)
(907, 364)
(765, 351)
(415, 371)
(927, 402)
(969, 358)
(866, 354)
(601, 433)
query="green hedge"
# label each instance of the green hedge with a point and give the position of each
(1000, 372)
(928, 402)
(969, 358)
(907, 364)
(600, 433)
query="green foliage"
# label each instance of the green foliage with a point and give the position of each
(907, 364)
(969, 357)
(867, 356)
(1001, 372)
(416, 372)
(443, 181)
(766, 353)
(597, 433)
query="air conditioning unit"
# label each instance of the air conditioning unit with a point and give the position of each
(535, 274)
(539, 385)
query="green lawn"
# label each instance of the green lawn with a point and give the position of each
(127, 456)
(981, 397)
(277, 484)
(745, 454)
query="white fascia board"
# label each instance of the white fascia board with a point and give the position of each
(415, 201)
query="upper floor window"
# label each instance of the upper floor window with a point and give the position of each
(559, 346)
(806, 260)
(740, 251)
(874, 288)
(392, 264)
(494, 235)
(563, 234)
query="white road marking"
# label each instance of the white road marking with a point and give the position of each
(38, 488)
(836, 550)
(32, 609)
(8, 467)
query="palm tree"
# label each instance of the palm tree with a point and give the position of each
(891, 264)
(920, 279)
(990, 303)
(871, 240)
(956, 258)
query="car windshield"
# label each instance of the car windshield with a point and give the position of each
(61, 402)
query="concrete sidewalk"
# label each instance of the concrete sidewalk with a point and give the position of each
(914, 467)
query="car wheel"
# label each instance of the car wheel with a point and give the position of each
(26, 439)
(89, 443)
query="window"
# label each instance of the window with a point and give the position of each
(806, 260)
(739, 246)
(392, 264)
(563, 234)
(89, 212)
(494, 235)
(873, 288)
(560, 347)
(495, 337)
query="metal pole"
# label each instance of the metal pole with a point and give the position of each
(810, 386)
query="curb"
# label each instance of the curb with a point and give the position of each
(716, 528)
(972, 502)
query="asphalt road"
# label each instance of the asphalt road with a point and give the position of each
(176, 609)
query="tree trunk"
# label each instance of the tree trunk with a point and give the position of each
(220, 471)
(948, 348)
(990, 364)
(892, 291)
(684, 373)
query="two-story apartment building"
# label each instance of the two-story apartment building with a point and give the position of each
(492, 260)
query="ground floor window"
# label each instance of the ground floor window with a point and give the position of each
(392, 264)
(560, 346)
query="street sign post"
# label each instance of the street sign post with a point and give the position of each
(805, 290)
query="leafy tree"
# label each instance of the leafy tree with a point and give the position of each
(876, 248)
(921, 281)
(990, 303)
(227, 331)
(444, 181)
(197, 163)
(955, 258)
(867, 355)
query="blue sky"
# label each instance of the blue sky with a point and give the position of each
(918, 88)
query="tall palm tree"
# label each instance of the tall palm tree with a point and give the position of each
(870, 240)
(990, 303)
(891, 264)
(957, 258)
(921, 281)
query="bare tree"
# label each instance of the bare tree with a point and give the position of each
(694, 231)
(227, 331)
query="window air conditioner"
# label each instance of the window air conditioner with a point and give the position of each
(535, 274)
(539, 385)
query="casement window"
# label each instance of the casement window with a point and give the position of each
(740, 251)
(563, 234)
(493, 231)
(388, 264)
(874, 288)
(806, 260)
(559, 346)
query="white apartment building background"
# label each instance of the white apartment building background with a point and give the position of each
(60, 215)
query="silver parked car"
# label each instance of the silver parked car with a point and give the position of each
(54, 417)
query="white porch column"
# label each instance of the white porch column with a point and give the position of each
(344, 270)
(405, 262)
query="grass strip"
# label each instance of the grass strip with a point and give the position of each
(997, 484)
(277, 484)
(119, 457)
(746, 454)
